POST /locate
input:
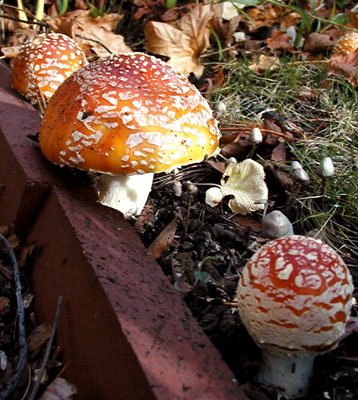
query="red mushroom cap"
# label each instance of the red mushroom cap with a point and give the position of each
(347, 43)
(295, 295)
(44, 62)
(128, 114)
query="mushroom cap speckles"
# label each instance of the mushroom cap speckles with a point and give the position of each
(347, 43)
(294, 296)
(126, 114)
(44, 62)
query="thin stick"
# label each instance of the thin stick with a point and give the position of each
(21, 317)
(25, 22)
(47, 352)
(95, 41)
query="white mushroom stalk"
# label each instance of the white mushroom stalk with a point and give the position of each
(294, 298)
(121, 192)
(128, 116)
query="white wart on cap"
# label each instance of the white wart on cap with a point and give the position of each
(44, 62)
(128, 114)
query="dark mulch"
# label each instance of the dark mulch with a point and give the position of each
(210, 248)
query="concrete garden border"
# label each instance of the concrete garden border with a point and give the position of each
(124, 330)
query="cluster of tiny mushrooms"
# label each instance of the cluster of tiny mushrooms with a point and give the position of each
(129, 116)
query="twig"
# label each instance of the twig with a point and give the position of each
(21, 316)
(95, 41)
(22, 20)
(47, 352)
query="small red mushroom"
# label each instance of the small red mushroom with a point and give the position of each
(347, 43)
(128, 116)
(294, 298)
(43, 63)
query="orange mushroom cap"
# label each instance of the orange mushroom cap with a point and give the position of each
(44, 62)
(294, 296)
(347, 43)
(127, 114)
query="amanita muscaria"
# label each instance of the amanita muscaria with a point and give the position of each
(43, 63)
(128, 116)
(347, 43)
(294, 298)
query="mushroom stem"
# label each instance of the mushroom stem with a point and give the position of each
(290, 374)
(127, 194)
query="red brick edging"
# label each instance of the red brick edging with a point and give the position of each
(125, 332)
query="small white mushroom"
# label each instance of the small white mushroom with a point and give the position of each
(220, 108)
(256, 136)
(298, 173)
(275, 225)
(325, 168)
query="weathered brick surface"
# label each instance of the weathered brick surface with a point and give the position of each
(124, 329)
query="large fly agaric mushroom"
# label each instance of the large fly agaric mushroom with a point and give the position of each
(127, 116)
(43, 63)
(294, 298)
(347, 43)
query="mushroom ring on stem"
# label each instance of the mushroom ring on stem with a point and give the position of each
(128, 116)
(43, 63)
(294, 298)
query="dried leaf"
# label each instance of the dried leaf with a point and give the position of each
(248, 222)
(183, 44)
(38, 337)
(318, 41)
(246, 182)
(263, 15)
(95, 34)
(26, 251)
(163, 240)
(265, 63)
(4, 305)
(224, 26)
(345, 65)
(11, 51)
(59, 389)
(279, 153)
(280, 40)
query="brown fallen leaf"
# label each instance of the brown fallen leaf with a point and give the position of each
(4, 305)
(225, 28)
(279, 179)
(92, 34)
(318, 41)
(38, 337)
(346, 66)
(265, 63)
(279, 40)
(248, 222)
(263, 15)
(279, 153)
(59, 389)
(163, 240)
(184, 43)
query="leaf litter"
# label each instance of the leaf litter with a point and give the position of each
(202, 249)
(37, 335)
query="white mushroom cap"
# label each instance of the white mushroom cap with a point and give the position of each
(275, 225)
(294, 297)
